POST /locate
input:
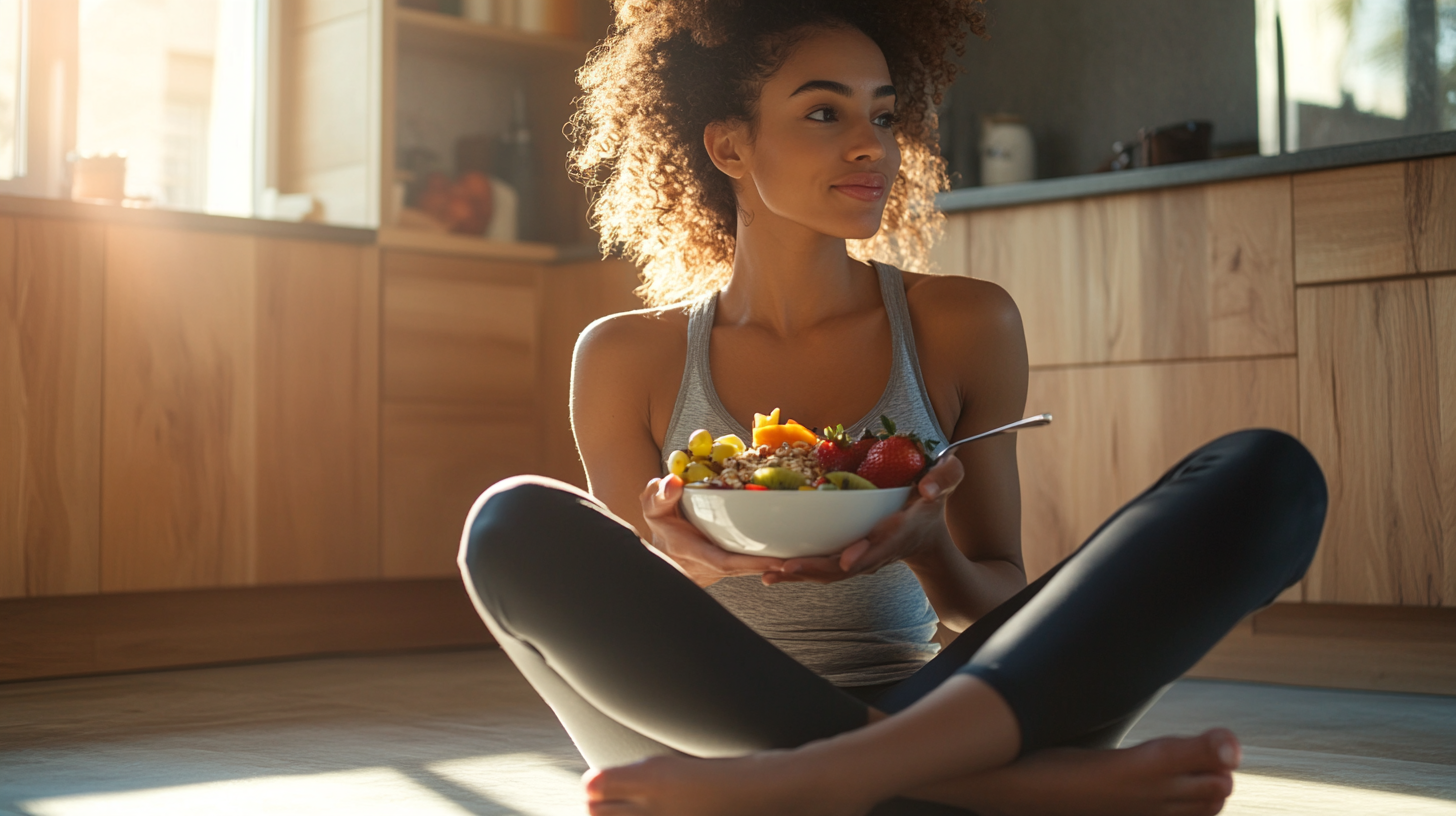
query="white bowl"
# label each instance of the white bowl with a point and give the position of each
(788, 523)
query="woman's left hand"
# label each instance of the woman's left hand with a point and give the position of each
(914, 528)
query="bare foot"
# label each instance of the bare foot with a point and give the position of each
(1170, 776)
(755, 785)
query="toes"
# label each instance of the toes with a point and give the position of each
(609, 785)
(1225, 746)
(1204, 786)
(1213, 751)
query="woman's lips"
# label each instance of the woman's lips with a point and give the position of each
(863, 192)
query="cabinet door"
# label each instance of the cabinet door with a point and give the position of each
(1377, 221)
(240, 412)
(437, 460)
(1377, 377)
(461, 402)
(1119, 428)
(317, 412)
(50, 406)
(1176, 274)
(179, 465)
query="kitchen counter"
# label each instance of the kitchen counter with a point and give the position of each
(387, 238)
(34, 207)
(1204, 172)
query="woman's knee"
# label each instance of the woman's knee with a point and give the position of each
(506, 520)
(1280, 467)
(1275, 483)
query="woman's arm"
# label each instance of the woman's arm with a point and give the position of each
(624, 377)
(611, 407)
(973, 355)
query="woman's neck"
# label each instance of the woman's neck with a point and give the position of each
(790, 278)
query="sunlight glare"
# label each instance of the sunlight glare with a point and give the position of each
(361, 792)
(528, 783)
(1271, 795)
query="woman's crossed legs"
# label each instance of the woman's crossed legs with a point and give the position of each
(639, 662)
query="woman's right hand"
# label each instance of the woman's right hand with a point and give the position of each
(677, 539)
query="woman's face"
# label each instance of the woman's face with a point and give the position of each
(825, 153)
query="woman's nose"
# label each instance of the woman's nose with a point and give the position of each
(864, 144)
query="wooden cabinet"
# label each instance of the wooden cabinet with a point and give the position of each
(461, 404)
(460, 330)
(1377, 389)
(179, 472)
(1377, 221)
(50, 406)
(1158, 320)
(317, 412)
(1188, 273)
(477, 366)
(240, 405)
(1119, 428)
(297, 426)
(438, 458)
(186, 409)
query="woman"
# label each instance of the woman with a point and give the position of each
(744, 149)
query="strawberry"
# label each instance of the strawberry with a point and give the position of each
(895, 459)
(838, 452)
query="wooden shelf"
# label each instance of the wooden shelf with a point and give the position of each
(442, 34)
(444, 243)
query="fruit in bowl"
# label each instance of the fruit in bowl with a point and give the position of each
(794, 493)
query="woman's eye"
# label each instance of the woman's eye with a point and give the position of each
(828, 115)
(887, 120)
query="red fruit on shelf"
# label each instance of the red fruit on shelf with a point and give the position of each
(471, 199)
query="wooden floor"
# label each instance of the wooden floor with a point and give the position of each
(461, 733)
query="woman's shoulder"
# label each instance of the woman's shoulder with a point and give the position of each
(646, 335)
(958, 305)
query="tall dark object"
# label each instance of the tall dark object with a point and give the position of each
(515, 163)
(1422, 74)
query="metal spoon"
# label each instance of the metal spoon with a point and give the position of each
(1029, 422)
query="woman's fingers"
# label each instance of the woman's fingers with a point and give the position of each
(853, 553)
(660, 497)
(742, 564)
(818, 570)
(942, 479)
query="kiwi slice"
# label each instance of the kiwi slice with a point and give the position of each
(844, 480)
(779, 478)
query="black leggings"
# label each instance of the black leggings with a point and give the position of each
(637, 661)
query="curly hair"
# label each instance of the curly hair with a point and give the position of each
(671, 67)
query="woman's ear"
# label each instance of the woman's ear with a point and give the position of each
(725, 143)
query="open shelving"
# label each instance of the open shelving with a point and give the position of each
(370, 77)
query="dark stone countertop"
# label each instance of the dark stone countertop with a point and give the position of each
(1204, 172)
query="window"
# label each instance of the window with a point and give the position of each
(170, 85)
(12, 89)
(1341, 71)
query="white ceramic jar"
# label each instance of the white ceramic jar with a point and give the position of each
(1008, 154)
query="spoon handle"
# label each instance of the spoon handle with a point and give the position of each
(1029, 422)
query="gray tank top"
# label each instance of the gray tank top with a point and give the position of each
(866, 630)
